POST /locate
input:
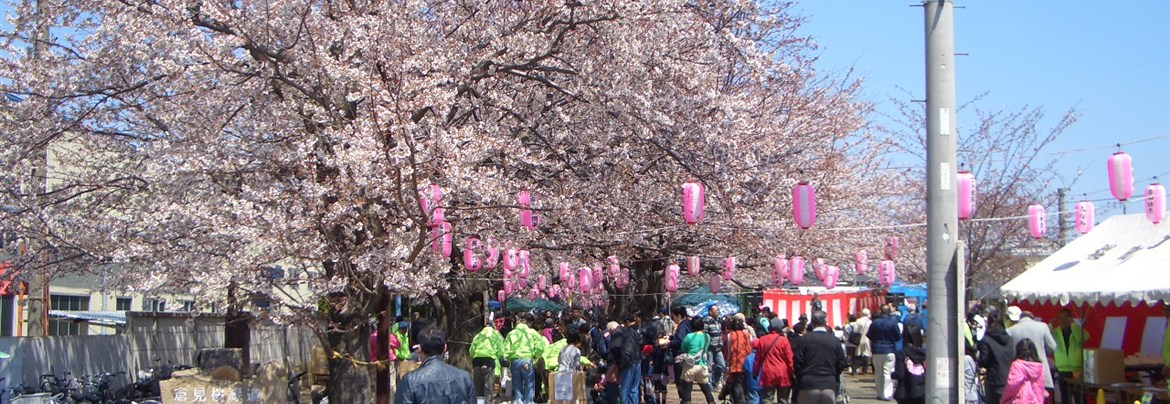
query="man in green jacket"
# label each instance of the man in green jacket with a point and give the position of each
(1070, 341)
(522, 345)
(487, 350)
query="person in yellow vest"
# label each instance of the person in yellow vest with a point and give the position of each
(401, 329)
(522, 345)
(487, 350)
(1070, 341)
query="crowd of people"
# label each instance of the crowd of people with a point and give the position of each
(762, 359)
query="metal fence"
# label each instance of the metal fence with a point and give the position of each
(148, 337)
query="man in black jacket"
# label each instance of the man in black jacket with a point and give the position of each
(434, 382)
(818, 361)
(625, 350)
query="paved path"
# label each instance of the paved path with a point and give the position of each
(860, 389)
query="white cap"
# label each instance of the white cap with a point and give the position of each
(1014, 313)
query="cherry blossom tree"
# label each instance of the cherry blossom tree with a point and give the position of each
(1007, 150)
(197, 144)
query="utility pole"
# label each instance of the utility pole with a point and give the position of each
(942, 216)
(1061, 221)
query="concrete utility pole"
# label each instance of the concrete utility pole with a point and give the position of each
(942, 216)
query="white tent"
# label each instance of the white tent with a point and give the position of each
(1124, 259)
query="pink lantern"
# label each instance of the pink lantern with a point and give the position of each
(694, 201)
(670, 277)
(886, 272)
(796, 272)
(526, 219)
(819, 269)
(429, 197)
(500, 295)
(470, 261)
(779, 266)
(622, 279)
(511, 259)
(598, 278)
(508, 287)
(437, 217)
(614, 268)
(1155, 202)
(585, 280)
(540, 282)
(1085, 216)
(533, 294)
(831, 275)
(693, 267)
(525, 267)
(1121, 176)
(570, 281)
(493, 256)
(785, 267)
(728, 268)
(861, 263)
(804, 205)
(1037, 220)
(890, 249)
(566, 272)
(441, 240)
(714, 283)
(524, 199)
(966, 195)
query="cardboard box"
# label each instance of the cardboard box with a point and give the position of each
(405, 367)
(567, 393)
(1104, 366)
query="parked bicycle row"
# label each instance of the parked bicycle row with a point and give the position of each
(65, 387)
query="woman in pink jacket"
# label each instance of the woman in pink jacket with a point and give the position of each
(1025, 381)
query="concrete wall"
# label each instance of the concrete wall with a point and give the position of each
(174, 339)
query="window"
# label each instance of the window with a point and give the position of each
(188, 306)
(122, 304)
(68, 303)
(154, 305)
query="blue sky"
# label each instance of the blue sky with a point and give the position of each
(1109, 60)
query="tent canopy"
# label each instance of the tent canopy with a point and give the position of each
(1124, 259)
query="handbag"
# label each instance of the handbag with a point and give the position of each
(697, 373)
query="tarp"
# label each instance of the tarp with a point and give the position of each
(110, 318)
(518, 305)
(1122, 260)
(701, 295)
(910, 290)
(701, 309)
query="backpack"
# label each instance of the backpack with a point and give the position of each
(915, 369)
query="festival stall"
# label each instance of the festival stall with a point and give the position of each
(1114, 277)
(838, 303)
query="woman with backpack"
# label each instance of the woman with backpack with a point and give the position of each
(910, 367)
(695, 347)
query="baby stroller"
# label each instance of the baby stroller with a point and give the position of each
(842, 393)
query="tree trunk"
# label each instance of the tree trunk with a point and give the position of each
(382, 379)
(461, 313)
(350, 382)
(646, 287)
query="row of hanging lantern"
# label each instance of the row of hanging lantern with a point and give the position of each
(1120, 170)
